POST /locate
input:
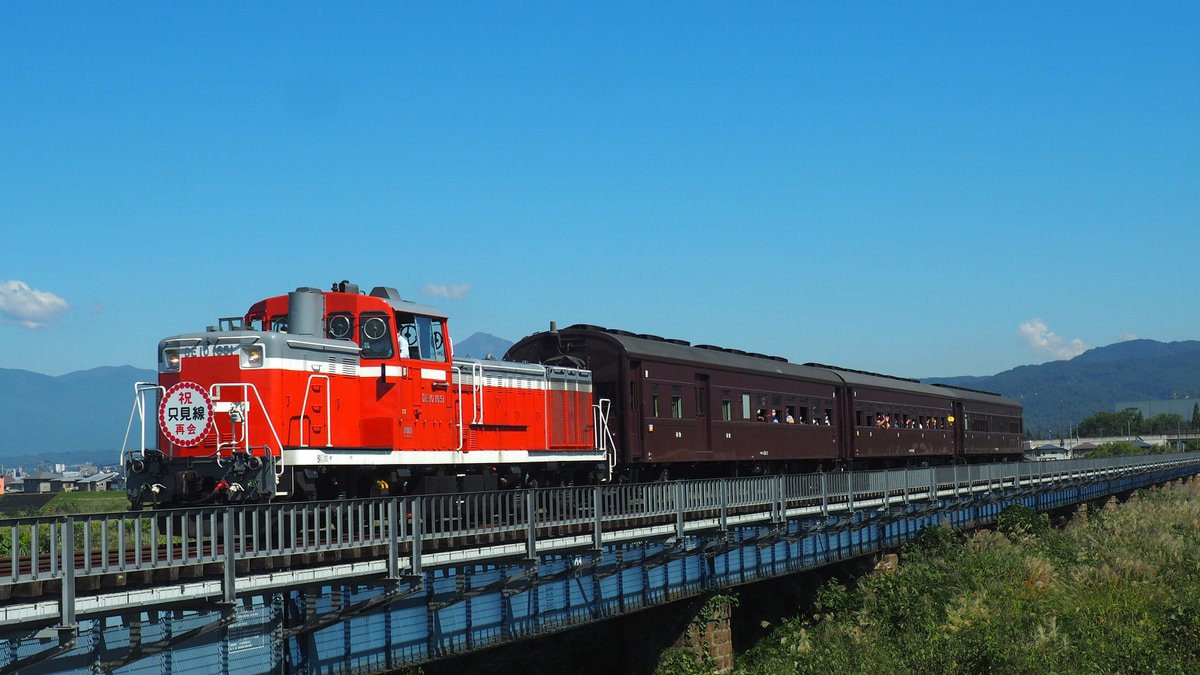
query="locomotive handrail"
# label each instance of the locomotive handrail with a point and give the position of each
(328, 416)
(477, 391)
(476, 397)
(604, 441)
(216, 395)
(458, 406)
(139, 408)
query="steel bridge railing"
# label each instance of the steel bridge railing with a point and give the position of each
(66, 548)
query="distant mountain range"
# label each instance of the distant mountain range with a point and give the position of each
(82, 416)
(479, 345)
(1060, 393)
(72, 418)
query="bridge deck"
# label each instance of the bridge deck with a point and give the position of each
(445, 574)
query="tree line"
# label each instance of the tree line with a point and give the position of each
(1133, 423)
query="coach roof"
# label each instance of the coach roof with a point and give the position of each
(649, 346)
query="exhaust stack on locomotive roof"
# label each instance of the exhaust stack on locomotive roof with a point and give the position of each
(306, 312)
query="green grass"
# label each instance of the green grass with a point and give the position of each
(1117, 594)
(69, 503)
(86, 502)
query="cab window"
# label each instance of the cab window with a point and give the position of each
(375, 336)
(424, 337)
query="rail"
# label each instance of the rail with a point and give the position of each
(66, 548)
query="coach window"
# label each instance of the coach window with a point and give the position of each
(375, 336)
(828, 413)
(746, 415)
(726, 406)
(676, 402)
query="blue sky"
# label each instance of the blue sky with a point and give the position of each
(919, 189)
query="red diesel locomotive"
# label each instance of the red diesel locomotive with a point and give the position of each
(323, 395)
(337, 394)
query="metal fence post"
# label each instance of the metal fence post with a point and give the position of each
(68, 566)
(598, 518)
(393, 522)
(530, 525)
(679, 510)
(230, 565)
(824, 494)
(416, 536)
(780, 500)
(724, 505)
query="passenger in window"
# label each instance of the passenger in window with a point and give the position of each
(791, 419)
(775, 416)
(762, 415)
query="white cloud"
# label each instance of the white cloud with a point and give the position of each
(1128, 336)
(451, 292)
(1044, 342)
(28, 306)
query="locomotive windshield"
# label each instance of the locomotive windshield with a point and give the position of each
(375, 336)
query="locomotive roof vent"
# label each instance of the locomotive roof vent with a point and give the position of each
(387, 293)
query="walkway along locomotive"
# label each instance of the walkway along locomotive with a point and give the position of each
(323, 395)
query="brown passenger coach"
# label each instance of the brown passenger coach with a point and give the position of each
(681, 410)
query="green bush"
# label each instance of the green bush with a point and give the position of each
(1019, 519)
(1117, 594)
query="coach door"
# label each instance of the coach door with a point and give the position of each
(635, 413)
(703, 425)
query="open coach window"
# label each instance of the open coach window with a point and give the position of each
(375, 336)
